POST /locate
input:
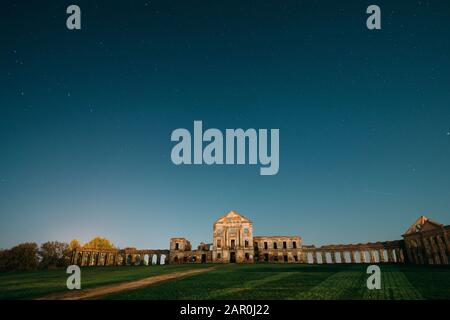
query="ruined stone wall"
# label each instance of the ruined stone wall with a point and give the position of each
(116, 257)
(281, 249)
(377, 252)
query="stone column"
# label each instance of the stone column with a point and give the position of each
(158, 259)
(314, 254)
(409, 253)
(82, 258)
(401, 256)
(304, 257)
(381, 255)
(342, 255)
(446, 238)
(353, 256)
(324, 257)
(397, 255)
(418, 252)
(415, 255)
(390, 255)
(428, 254)
(333, 256)
(435, 251)
(441, 247)
(372, 256)
(362, 255)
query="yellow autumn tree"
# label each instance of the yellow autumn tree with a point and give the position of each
(99, 243)
(74, 244)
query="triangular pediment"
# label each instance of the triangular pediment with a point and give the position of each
(232, 216)
(423, 224)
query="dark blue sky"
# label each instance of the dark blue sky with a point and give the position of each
(86, 118)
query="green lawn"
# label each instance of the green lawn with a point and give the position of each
(272, 281)
(261, 281)
(29, 285)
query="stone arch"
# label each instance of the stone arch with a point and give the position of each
(338, 257)
(128, 260)
(164, 259)
(154, 259)
(137, 260)
(319, 257)
(347, 257)
(146, 259)
(358, 256)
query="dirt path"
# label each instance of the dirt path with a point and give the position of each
(117, 287)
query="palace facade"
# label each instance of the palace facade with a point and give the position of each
(233, 241)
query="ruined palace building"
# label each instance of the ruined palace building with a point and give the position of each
(425, 242)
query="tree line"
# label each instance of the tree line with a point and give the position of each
(52, 254)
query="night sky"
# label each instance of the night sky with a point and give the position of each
(86, 118)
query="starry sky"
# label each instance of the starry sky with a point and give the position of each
(86, 118)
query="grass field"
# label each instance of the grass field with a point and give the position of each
(29, 285)
(263, 281)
